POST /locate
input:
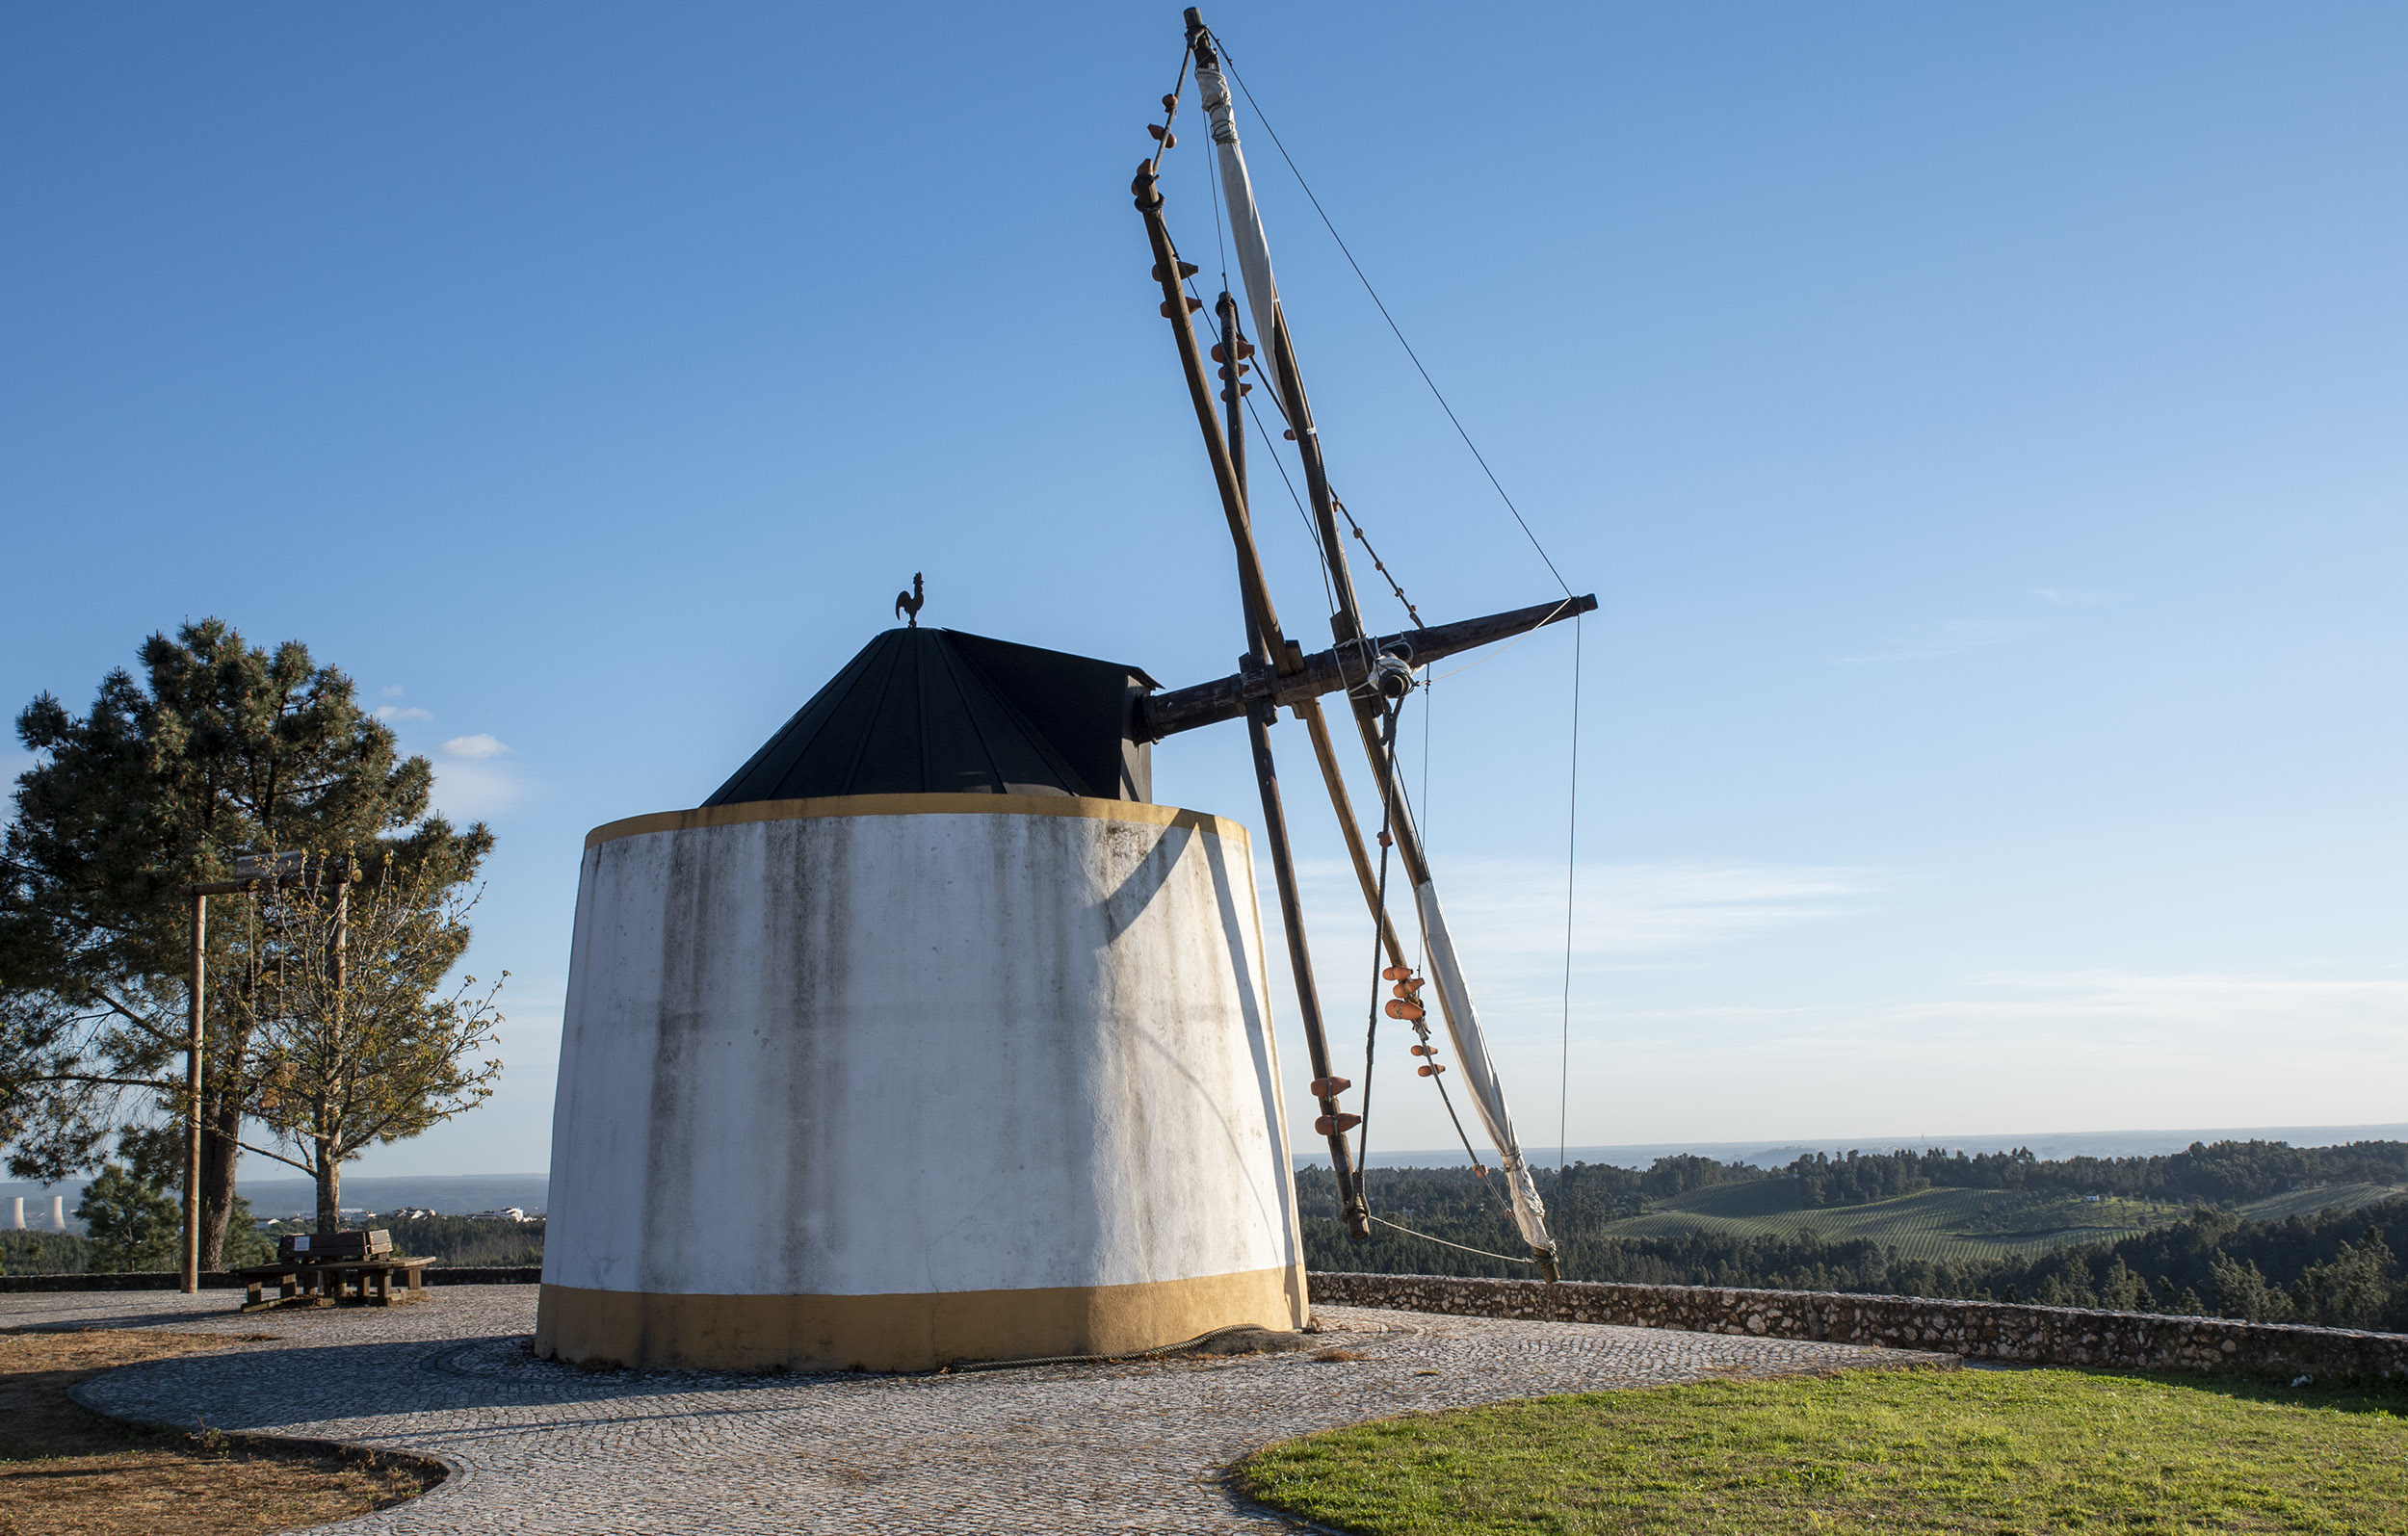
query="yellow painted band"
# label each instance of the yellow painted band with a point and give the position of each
(657, 1330)
(749, 811)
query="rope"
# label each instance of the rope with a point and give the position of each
(1379, 913)
(1390, 793)
(1571, 871)
(1212, 179)
(1435, 392)
(1271, 451)
(1500, 1258)
(1430, 713)
(1170, 113)
(1377, 565)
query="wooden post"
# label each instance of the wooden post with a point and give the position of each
(1272, 654)
(192, 1094)
(1233, 390)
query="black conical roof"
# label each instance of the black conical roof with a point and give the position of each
(931, 711)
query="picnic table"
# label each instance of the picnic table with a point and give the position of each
(322, 1270)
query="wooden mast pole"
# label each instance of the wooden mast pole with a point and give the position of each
(1346, 622)
(1269, 653)
(192, 1093)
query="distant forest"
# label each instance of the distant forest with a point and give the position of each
(2227, 1173)
(2329, 1266)
(2332, 1267)
(446, 1240)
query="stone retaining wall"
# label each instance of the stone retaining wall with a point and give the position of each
(227, 1279)
(1977, 1330)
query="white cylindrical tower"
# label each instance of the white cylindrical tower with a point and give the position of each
(905, 1079)
(58, 1212)
(16, 1217)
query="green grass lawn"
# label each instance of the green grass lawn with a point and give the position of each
(1928, 1224)
(1865, 1451)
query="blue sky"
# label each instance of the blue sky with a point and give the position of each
(1983, 428)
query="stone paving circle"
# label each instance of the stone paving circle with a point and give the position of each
(1131, 1447)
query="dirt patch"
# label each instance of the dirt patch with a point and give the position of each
(66, 1470)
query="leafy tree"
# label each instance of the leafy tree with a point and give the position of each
(385, 1051)
(44, 1253)
(2350, 1290)
(217, 749)
(132, 1225)
(1682, 1172)
(2122, 1290)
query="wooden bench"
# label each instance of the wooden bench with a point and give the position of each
(324, 1269)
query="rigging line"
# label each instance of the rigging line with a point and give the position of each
(1571, 871)
(1212, 178)
(1260, 116)
(1445, 1099)
(1429, 712)
(1170, 112)
(1271, 451)
(1508, 645)
(1379, 921)
(1377, 565)
(1501, 1258)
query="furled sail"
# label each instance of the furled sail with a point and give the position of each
(1246, 224)
(1455, 997)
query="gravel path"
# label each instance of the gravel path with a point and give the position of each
(539, 1447)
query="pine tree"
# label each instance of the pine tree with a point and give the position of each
(2242, 1291)
(218, 750)
(2350, 1290)
(132, 1225)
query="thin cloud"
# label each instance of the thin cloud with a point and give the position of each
(2072, 596)
(1926, 642)
(393, 691)
(469, 789)
(2076, 1013)
(392, 712)
(1511, 911)
(479, 746)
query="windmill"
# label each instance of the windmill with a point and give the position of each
(929, 1037)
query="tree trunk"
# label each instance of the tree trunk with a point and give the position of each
(330, 1186)
(220, 1151)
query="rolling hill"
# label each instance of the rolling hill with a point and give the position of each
(1939, 1223)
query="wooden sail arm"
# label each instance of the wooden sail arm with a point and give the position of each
(1268, 655)
(1335, 670)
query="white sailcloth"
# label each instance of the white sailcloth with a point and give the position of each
(1245, 225)
(1455, 997)
(1479, 1074)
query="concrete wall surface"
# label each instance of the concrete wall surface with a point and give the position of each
(1977, 1330)
(904, 1045)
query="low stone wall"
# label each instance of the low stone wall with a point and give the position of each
(227, 1279)
(1977, 1330)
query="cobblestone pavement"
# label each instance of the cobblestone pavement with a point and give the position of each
(539, 1447)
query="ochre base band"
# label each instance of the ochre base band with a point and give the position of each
(658, 1329)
